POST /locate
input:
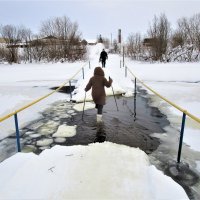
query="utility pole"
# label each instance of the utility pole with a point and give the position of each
(111, 40)
(119, 39)
(123, 56)
(119, 36)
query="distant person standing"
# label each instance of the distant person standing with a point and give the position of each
(103, 57)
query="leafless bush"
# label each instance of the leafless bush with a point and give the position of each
(189, 28)
(12, 37)
(134, 45)
(15, 37)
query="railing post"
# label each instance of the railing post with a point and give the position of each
(17, 133)
(70, 87)
(134, 109)
(135, 85)
(83, 72)
(181, 138)
(123, 56)
(89, 64)
(125, 71)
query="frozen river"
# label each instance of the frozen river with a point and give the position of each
(134, 124)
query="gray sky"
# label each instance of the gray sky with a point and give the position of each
(96, 17)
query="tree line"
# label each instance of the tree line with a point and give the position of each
(59, 39)
(162, 43)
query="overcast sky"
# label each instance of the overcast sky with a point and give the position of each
(96, 17)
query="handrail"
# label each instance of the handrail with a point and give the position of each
(168, 101)
(37, 100)
(185, 112)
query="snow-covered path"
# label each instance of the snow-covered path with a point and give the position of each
(120, 85)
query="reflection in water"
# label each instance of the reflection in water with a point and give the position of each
(134, 107)
(133, 113)
(185, 176)
(100, 134)
(65, 89)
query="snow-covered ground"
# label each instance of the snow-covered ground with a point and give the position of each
(98, 171)
(101, 171)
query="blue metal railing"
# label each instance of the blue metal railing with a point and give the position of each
(34, 102)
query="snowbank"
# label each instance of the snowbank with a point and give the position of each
(98, 171)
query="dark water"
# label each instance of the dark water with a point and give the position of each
(184, 175)
(65, 89)
(131, 125)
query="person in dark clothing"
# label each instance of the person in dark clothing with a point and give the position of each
(97, 83)
(103, 57)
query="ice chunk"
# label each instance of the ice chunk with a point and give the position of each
(65, 131)
(35, 135)
(60, 140)
(44, 147)
(65, 115)
(70, 111)
(44, 142)
(48, 128)
(28, 148)
(128, 94)
(88, 105)
(29, 132)
(36, 125)
(46, 131)
(56, 119)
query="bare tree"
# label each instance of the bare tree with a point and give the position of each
(16, 38)
(177, 39)
(12, 36)
(159, 31)
(134, 45)
(195, 30)
(184, 31)
(115, 46)
(4, 53)
(190, 30)
(26, 37)
(38, 49)
(187, 35)
(106, 42)
(69, 37)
